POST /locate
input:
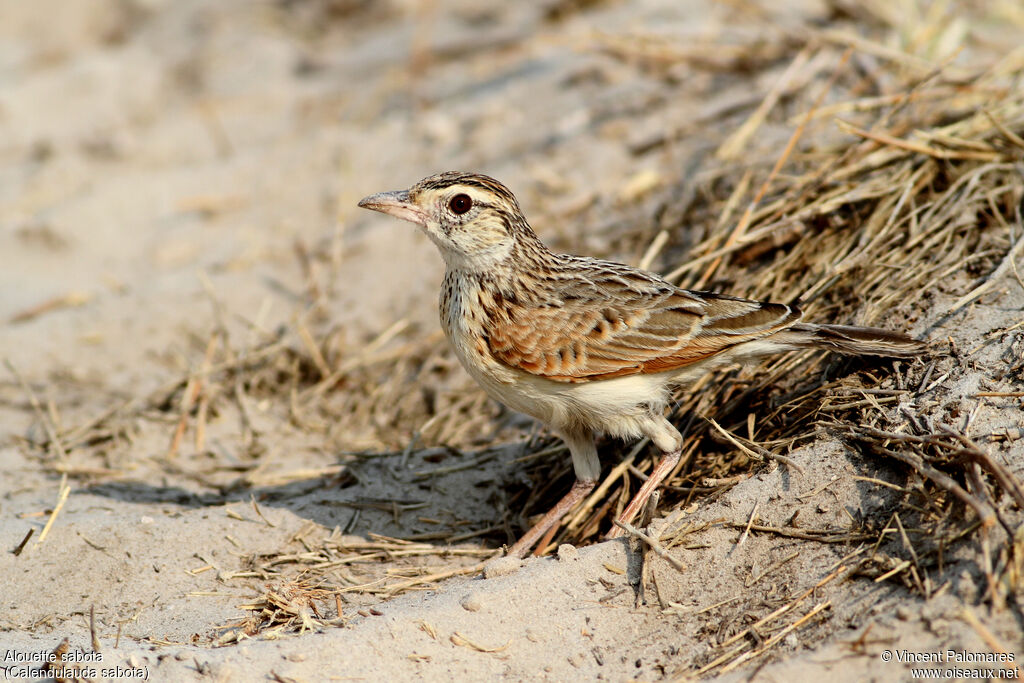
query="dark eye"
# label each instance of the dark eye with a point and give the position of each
(460, 204)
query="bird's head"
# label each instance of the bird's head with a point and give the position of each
(473, 219)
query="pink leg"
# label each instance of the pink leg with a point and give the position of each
(662, 470)
(578, 491)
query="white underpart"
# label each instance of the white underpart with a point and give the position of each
(479, 260)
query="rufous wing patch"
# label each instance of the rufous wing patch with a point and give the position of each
(644, 332)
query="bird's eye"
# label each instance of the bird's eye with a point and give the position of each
(460, 204)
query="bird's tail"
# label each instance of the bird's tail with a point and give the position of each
(869, 341)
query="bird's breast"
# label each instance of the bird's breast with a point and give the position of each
(615, 406)
(463, 317)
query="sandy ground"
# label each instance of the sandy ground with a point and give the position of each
(166, 166)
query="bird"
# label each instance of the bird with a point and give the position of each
(587, 346)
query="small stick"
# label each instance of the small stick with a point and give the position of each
(314, 351)
(750, 522)
(777, 637)
(431, 578)
(917, 147)
(188, 398)
(718, 604)
(913, 555)
(968, 615)
(647, 514)
(812, 494)
(69, 300)
(998, 274)
(760, 451)
(820, 537)
(61, 498)
(712, 482)
(24, 542)
(945, 482)
(92, 629)
(652, 543)
(879, 482)
(1005, 478)
(1007, 133)
(459, 639)
(657, 244)
(877, 49)
(259, 512)
(986, 554)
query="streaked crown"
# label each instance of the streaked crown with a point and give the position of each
(473, 219)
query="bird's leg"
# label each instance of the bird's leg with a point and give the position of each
(667, 438)
(665, 466)
(579, 490)
(587, 467)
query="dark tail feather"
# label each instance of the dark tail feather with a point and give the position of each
(870, 341)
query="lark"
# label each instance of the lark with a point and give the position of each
(588, 346)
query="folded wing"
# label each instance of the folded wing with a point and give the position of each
(615, 323)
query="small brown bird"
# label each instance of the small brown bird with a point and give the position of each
(588, 346)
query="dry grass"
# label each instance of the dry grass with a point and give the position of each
(283, 609)
(928, 190)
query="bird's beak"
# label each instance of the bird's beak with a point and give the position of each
(396, 204)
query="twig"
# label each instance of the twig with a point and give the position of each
(820, 537)
(256, 507)
(917, 147)
(95, 641)
(942, 480)
(770, 643)
(968, 615)
(1004, 269)
(652, 543)
(769, 618)
(655, 247)
(432, 578)
(1010, 483)
(459, 639)
(758, 452)
(21, 546)
(62, 497)
(750, 522)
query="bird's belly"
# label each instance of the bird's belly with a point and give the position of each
(617, 406)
